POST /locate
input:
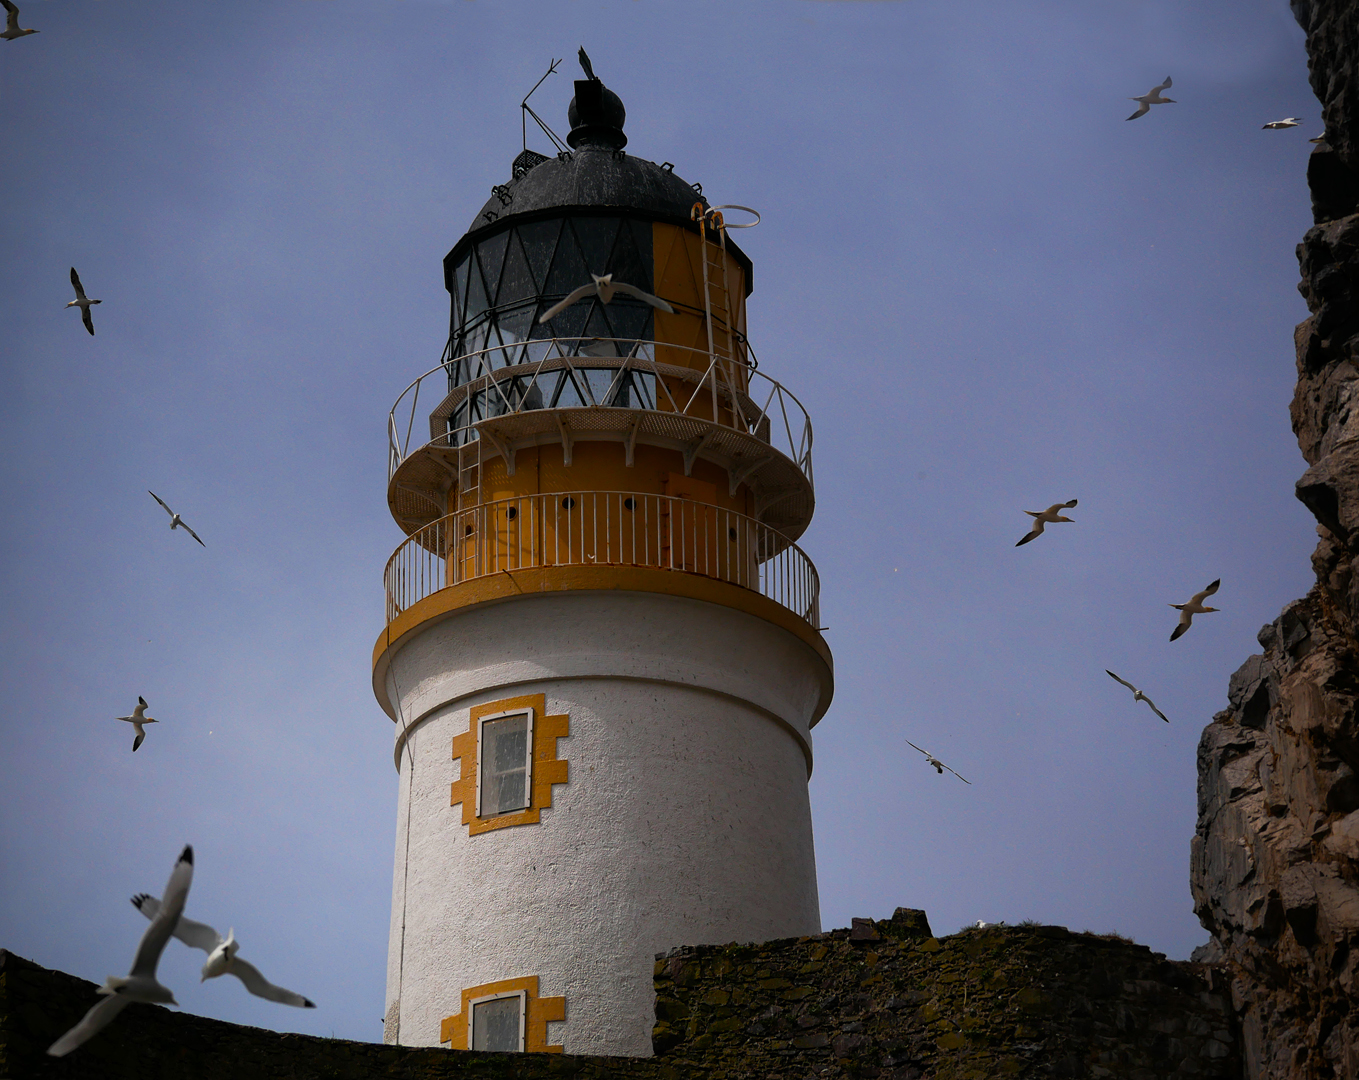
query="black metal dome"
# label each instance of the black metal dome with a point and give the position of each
(597, 177)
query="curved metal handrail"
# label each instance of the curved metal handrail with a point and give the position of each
(727, 392)
(602, 528)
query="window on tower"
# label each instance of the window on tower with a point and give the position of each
(498, 1023)
(505, 763)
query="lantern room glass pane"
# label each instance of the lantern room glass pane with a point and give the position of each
(491, 253)
(495, 1024)
(507, 280)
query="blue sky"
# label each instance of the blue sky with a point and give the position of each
(991, 292)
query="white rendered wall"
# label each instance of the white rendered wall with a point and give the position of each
(685, 821)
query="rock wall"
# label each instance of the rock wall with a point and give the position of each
(1275, 861)
(890, 1001)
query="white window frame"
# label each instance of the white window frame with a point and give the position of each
(482, 721)
(522, 995)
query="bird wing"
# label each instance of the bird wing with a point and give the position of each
(75, 278)
(1199, 597)
(142, 702)
(914, 747)
(585, 64)
(138, 740)
(258, 985)
(1152, 705)
(163, 925)
(1052, 510)
(87, 319)
(191, 533)
(1125, 682)
(1069, 505)
(957, 774)
(1186, 618)
(95, 1020)
(1037, 531)
(632, 290)
(1142, 110)
(196, 935)
(572, 298)
(1164, 86)
(161, 501)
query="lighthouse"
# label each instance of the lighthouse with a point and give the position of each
(602, 652)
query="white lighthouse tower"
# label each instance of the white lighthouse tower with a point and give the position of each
(602, 653)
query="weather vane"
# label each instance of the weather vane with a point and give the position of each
(526, 110)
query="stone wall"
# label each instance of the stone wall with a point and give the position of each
(891, 1001)
(1275, 864)
(882, 1000)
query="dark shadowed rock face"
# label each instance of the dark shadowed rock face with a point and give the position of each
(1275, 865)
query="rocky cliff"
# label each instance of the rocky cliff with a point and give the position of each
(1275, 864)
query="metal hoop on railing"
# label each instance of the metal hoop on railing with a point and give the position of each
(735, 206)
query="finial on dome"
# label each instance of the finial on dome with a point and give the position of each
(596, 113)
(585, 65)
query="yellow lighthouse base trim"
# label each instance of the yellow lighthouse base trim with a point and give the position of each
(548, 769)
(453, 1029)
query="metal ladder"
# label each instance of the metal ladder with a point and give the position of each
(714, 258)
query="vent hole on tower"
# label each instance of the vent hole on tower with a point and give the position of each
(629, 504)
(512, 513)
(568, 503)
(467, 531)
(731, 534)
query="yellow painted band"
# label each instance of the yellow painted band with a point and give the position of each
(497, 588)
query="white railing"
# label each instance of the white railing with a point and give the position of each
(602, 528)
(601, 371)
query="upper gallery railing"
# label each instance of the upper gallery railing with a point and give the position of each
(602, 528)
(609, 372)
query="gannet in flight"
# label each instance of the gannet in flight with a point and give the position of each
(604, 287)
(1319, 139)
(137, 719)
(1278, 125)
(1194, 607)
(1146, 101)
(12, 31)
(939, 766)
(176, 522)
(1138, 695)
(1042, 517)
(222, 958)
(141, 984)
(81, 301)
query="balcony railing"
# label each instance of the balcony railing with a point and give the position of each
(595, 372)
(602, 528)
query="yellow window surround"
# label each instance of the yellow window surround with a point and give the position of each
(547, 768)
(537, 1012)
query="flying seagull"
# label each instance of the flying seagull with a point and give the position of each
(604, 287)
(12, 30)
(1279, 125)
(81, 301)
(176, 522)
(1146, 101)
(1138, 695)
(1194, 607)
(1044, 517)
(222, 958)
(137, 719)
(939, 766)
(141, 983)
